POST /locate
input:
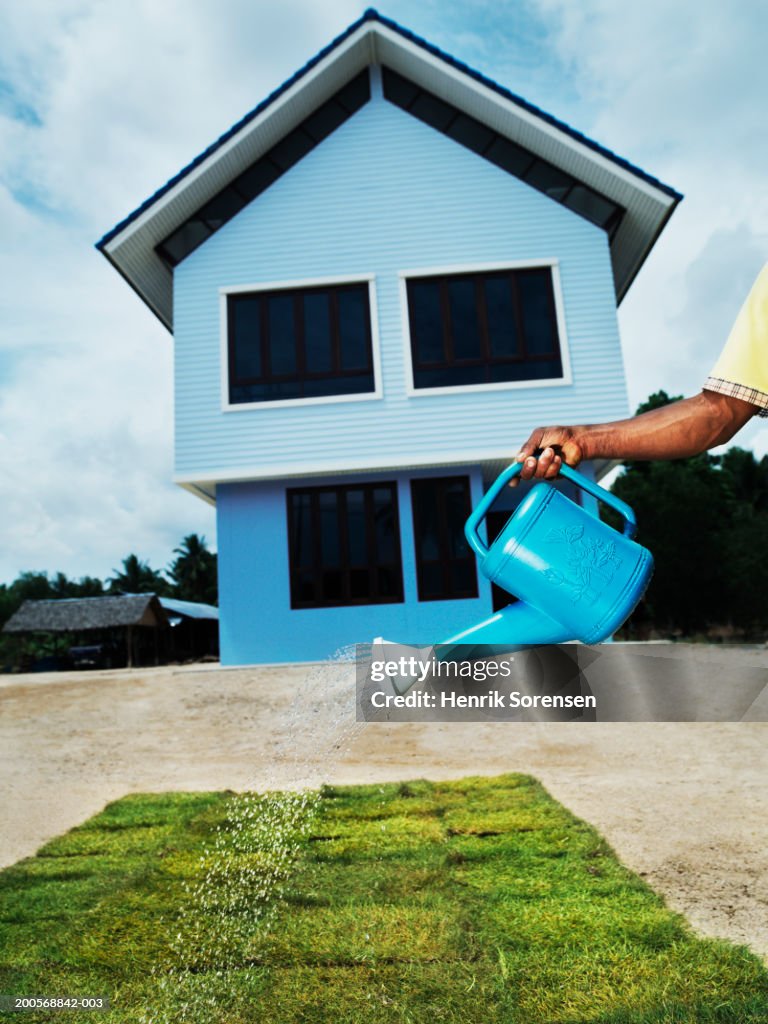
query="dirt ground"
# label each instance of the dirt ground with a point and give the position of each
(683, 804)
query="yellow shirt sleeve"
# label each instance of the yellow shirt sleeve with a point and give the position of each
(742, 369)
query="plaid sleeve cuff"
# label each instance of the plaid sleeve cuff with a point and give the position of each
(751, 395)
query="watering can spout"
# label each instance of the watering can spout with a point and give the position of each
(517, 625)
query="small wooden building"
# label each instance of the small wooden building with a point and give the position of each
(117, 631)
(104, 631)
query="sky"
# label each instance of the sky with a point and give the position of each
(101, 101)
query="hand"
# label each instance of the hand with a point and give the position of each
(544, 451)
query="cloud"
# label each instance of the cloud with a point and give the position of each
(680, 90)
(102, 103)
(123, 95)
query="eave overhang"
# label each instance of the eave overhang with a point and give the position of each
(131, 246)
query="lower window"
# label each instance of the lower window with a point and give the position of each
(344, 545)
(445, 564)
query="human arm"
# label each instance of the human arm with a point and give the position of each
(674, 431)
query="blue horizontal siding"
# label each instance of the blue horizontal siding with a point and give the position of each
(385, 193)
(256, 620)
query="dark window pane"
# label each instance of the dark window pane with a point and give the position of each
(222, 208)
(432, 110)
(291, 149)
(356, 527)
(535, 299)
(359, 584)
(510, 157)
(390, 582)
(549, 179)
(332, 585)
(353, 385)
(333, 560)
(471, 133)
(428, 531)
(461, 375)
(182, 242)
(356, 92)
(317, 332)
(282, 334)
(324, 120)
(246, 313)
(464, 323)
(353, 328)
(591, 205)
(426, 321)
(457, 509)
(440, 509)
(258, 177)
(330, 551)
(303, 545)
(397, 89)
(269, 391)
(384, 525)
(304, 589)
(500, 313)
(430, 580)
(464, 578)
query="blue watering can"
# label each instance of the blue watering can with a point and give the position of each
(575, 576)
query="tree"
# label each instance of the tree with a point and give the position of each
(681, 507)
(137, 578)
(194, 571)
(706, 521)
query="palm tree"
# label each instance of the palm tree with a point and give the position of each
(193, 571)
(137, 578)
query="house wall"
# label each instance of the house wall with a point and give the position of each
(385, 193)
(257, 623)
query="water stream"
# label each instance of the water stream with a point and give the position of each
(230, 909)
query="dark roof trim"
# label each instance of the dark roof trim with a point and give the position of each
(264, 172)
(372, 15)
(520, 102)
(369, 15)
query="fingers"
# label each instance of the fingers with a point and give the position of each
(545, 467)
(526, 456)
(554, 467)
(531, 446)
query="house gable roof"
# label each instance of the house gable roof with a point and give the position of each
(138, 245)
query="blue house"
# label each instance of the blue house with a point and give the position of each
(378, 282)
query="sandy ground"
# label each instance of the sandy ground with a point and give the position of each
(683, 804)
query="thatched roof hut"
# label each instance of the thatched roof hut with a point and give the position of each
(96, 617)
(79, 614)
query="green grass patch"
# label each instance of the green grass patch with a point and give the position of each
(476, 900)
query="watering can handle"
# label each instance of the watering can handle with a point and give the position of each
(477, 516)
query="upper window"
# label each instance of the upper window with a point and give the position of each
(299, 343)
(344, 545)
(483, 328)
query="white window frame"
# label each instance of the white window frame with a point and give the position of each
(305, 282)
(478, 268)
